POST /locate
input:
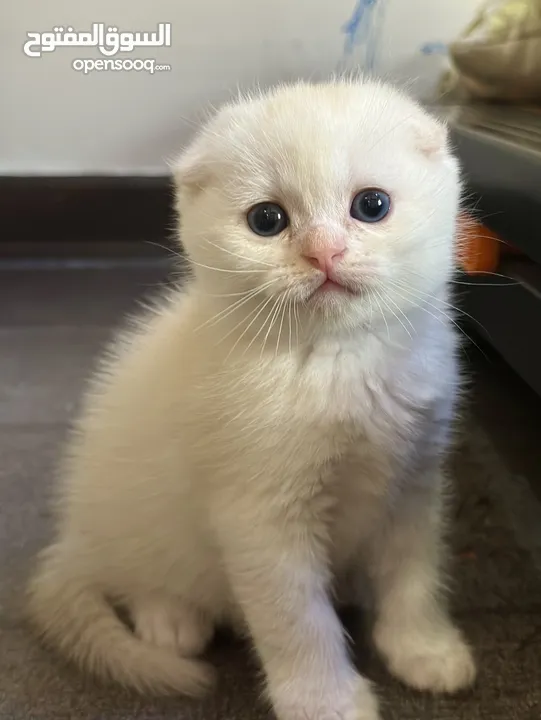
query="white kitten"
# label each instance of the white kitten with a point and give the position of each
(273, 434)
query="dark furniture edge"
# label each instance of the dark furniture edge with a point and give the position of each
(86, 216)
(504, 186)
(506, 179)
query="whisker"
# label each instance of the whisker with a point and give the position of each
(289, 320)
(227, 295)
(396, 316)
(191, 261)
(459, 282)
(260, 307)
(274, 313)
(225, 270)
(236, 255)
(406, 318)
(170, 250)
(369, 297)
(297, 322)
(447, 317)
(225, 312)
(414, 291)
(283, 312)
(483, 284)
(262, 324)
(377, 298)
(229, 309)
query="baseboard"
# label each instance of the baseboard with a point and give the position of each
(89, 216)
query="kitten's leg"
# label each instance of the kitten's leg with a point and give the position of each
(277, 570)
(171, 623)
(413, 630)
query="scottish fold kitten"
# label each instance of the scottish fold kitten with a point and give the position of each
(269, 441)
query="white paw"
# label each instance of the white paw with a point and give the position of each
(366, 705)
(355, 701)
(434, 659)
(169, 623)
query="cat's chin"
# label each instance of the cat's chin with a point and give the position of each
(336, 304)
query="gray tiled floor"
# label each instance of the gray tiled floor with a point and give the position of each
(52, 324)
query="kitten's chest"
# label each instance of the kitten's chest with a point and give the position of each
(355, 390)
(366, 400)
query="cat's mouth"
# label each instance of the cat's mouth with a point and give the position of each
(334, 285)
(329, 285)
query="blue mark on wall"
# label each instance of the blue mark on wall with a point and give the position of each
(363, 34)
(362, 30)
(434, 48)
(357, 28)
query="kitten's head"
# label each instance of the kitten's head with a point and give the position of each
(340, 198)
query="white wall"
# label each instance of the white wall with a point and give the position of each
(54, 120)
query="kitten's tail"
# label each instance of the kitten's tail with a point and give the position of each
(79, 622)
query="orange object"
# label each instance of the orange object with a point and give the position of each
(478, 247)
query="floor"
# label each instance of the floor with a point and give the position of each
(52, 323)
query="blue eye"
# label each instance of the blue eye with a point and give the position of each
(267, 219)
(370, 206)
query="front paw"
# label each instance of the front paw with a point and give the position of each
(432, 658)
(355, 701)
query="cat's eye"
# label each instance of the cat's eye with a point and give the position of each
(370, 206)
(267, 219)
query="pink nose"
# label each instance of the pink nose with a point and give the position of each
(324, 258)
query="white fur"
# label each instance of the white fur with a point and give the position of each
(245, 456)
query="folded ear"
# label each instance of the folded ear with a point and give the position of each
(191, 169)
(431, 136)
